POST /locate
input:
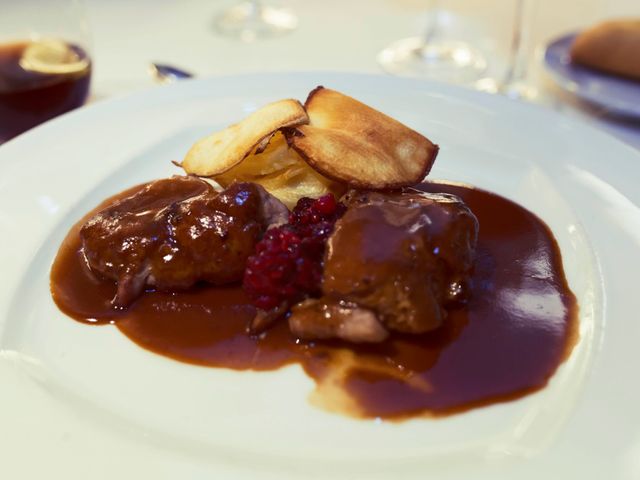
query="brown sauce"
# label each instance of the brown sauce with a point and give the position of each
(519, 325)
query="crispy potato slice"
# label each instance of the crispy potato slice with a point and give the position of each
(300, 181)
(282, 172)
(288, 184)
(276, 156)
(223, 150)
(351, 142)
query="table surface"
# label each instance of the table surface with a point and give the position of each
(336, 35)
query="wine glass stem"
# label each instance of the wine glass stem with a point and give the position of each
(432, 28)
(255, 8)
(517, 67)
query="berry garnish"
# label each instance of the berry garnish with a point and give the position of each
(287, 264)
(309, 211)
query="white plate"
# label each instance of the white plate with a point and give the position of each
(87, 402)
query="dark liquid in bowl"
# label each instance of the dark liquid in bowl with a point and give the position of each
(519, 325)
(29, 97)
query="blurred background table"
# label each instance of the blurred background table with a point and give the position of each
(337, 35)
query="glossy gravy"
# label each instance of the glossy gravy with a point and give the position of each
(506, 342)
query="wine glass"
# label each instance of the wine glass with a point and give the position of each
(251, 19)
(457, 49)
(441, 53)
(514, 81)
(45, 64)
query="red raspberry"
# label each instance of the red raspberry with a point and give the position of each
(326, 205)
(309, 211)
(287, 264)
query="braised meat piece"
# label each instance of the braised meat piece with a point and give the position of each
(177, 231)
(324, 319)
(401, 256)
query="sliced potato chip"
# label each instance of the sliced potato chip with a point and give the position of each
(276, 156)
(299, 181)
(223, 150)
(351, 142)
(282, 172)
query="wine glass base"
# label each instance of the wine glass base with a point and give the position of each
(447, 61)
(515, 89)
(251, 20)
(519, 90)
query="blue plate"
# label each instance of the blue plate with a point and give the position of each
(619, 95)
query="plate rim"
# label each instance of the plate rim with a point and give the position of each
(454, 91)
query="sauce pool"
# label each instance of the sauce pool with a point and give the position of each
(507, 341)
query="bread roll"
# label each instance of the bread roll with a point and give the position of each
(612, 46)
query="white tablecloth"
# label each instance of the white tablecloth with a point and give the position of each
(338, 35)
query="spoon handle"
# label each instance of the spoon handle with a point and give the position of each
(168, 73)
